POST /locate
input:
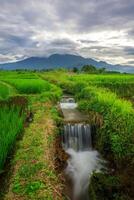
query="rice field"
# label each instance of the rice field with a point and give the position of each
(24, 82)
(29, 86)
(11, 124)
(12, 85)
(102, 97)
(5, 90)
(121, 84)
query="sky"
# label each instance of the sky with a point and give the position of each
(98, 29)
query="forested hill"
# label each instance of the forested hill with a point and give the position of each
(66, 61)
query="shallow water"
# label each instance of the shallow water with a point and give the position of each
(68, 103)
(83, 160)
(79, 168)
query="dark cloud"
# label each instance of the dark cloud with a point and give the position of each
(129, 50)
(63, 42)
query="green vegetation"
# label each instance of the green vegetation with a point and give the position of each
(121, 84)
(29, 86)
(32, 168)
(5, 90)
(90, 69)
(25, 82)
(101, 96)
(34, 175)
(11, 124)
(115, 136)
(18, 75)
(116, 133)
(107, 187)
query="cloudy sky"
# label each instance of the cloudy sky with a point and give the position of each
(99, 29)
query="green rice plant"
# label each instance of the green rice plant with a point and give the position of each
(121, 84)
(29, 86)
(54, 94)
(18, 75)
(5, 91)
(116, 135)
(11, 124)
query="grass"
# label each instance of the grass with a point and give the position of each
(25, 82)
(99, 96)
(33, 166)
(34, 175)
(117, 131)
(121, 84)
(5, 90)
(11, 124)
(29, 86)
(116, 135)
(18, 75)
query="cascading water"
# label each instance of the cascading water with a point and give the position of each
(77, 142)
(77, 137)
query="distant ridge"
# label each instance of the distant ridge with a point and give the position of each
(66, 61)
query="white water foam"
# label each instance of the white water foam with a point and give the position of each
(68, 103)
(77, 142)
(79, 170)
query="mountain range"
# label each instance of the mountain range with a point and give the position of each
(66, 61)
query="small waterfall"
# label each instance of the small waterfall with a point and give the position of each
(77, 137)
(83, 160)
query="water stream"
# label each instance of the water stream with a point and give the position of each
(83, 160)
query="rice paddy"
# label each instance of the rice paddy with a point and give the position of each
(106, 99)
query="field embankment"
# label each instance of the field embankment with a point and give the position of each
(34, 175)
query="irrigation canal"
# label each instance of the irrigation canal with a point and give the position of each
(77, 142)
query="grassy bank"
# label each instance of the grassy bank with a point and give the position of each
(115, 140)
(32, 174)
(115, 133)
(33, 166)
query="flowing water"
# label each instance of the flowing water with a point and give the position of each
(83, 160)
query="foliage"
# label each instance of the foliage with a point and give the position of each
(90, 69)
(34, 176)
(116, 134)
(6, 90)
(121, 84)
(107, 187)
(75, 70)
(18, 75)
(11, 124)
(26, 86)
(97, 93)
